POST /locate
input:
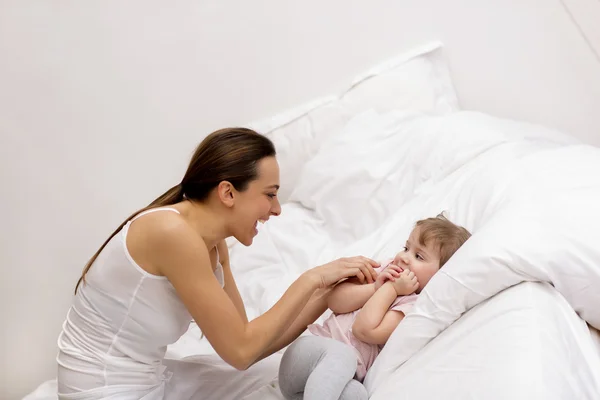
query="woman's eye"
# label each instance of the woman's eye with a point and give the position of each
(271, 195)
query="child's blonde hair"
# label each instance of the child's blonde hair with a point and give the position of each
(445, 236)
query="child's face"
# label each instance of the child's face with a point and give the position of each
(423, 261)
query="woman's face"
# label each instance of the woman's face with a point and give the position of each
(258, 202)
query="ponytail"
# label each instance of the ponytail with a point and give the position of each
(170, 197)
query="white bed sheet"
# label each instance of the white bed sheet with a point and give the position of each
(524, 343)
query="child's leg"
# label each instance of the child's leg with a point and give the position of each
(354, 390)
(318, 368)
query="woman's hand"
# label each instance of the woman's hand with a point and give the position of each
(406, 283)
(331, 273)
(390, 273)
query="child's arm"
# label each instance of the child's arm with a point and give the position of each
(350, 295)
(374, 323)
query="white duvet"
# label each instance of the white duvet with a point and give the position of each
(530, 196)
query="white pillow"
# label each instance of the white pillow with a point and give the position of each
(417, 80)
(381, 160)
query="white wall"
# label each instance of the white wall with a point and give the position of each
(101, 103)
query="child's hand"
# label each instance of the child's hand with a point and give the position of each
(389, 274)
(406, 284)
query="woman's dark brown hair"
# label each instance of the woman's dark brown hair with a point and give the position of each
(229, 154)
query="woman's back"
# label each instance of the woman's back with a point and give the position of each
(119, 326)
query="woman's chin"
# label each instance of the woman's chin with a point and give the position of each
(246, 240)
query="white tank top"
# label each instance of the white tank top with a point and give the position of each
(119, 325)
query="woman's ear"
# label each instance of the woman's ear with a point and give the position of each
(226, 193)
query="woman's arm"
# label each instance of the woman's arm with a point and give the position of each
(315, 307)
(374, 323)
(230, 286)
(181, 255)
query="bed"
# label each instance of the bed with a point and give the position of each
(512, 314)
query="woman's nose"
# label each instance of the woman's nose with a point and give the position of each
(276, 209)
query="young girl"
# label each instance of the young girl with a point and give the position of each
(332, 364)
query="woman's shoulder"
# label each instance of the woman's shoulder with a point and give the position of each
(157, 228)
(158, 218)
(158, 238)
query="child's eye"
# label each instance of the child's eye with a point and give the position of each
(405, 249)
(419, 257)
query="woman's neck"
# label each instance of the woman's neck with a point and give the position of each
(205, 220)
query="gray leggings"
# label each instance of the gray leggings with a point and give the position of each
(320, 368)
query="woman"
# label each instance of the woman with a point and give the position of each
(169, 263)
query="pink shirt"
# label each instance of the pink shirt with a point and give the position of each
(339, 327)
